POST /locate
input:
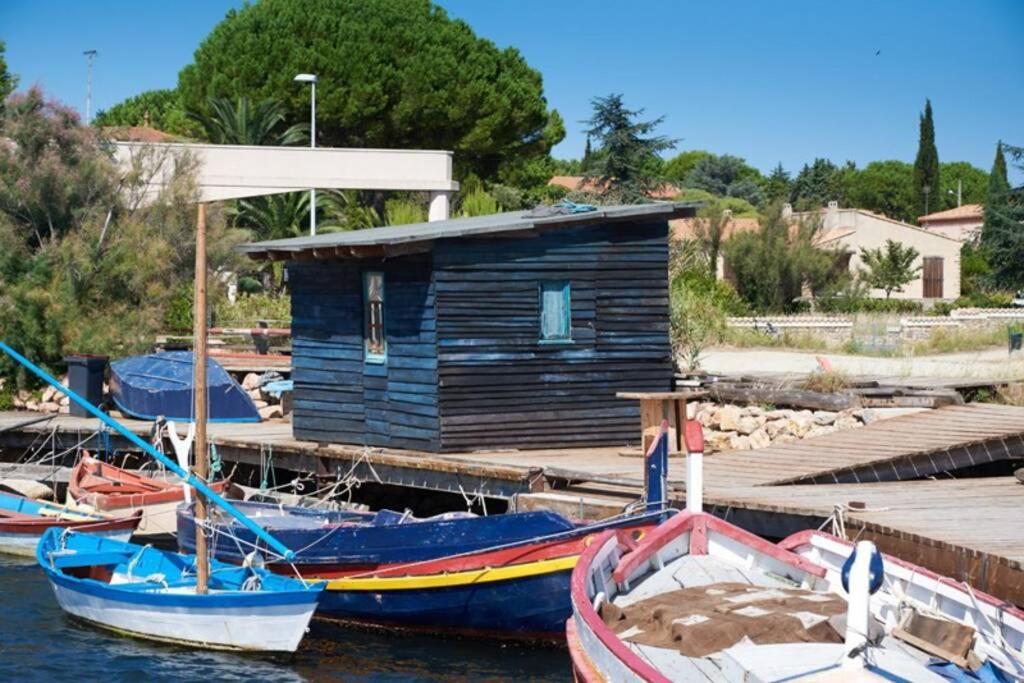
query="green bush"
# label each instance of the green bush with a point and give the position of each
(981, 299)
(249, 309)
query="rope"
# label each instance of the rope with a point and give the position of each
(477, 496)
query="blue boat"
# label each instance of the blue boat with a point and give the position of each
(148, 593)
(160, 384)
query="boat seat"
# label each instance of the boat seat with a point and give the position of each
(66, 559)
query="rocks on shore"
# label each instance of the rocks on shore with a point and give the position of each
(739, 428)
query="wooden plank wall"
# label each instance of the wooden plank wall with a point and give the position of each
(340, 398)
(499, 386)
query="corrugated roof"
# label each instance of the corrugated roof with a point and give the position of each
(967, 211)
(362, 242)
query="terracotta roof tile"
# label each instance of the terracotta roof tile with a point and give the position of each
(967, 211)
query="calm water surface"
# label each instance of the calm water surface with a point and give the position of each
(37, 642)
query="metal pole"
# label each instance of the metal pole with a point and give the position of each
(89, 54)
(199, 384)
(312, 144)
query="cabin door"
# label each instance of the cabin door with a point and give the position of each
(932, 277)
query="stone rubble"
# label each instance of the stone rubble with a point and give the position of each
(737, 428)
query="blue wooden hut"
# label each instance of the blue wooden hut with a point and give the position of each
(511, 330)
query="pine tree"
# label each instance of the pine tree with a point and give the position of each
(627, 164)
(926, 165)
(778, 185)
(1002, 235)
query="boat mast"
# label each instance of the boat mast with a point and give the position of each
(199, 383)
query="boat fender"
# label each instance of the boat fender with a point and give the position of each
(876, 571)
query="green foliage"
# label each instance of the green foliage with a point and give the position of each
(479, 203)
(511, 198)
(392, 73)
(241, 122)
(678, 168)
(692, 194)
(727, 176)
(178, 309)
(627, 165)
(926, 165)
(404, 212)
(345, 210)
(698, 302)
(819, 183)
(884, 187)
(276, 216)
(826, 381)
(973, 184)
(985, 299)
(8, 81)
(889, 268)
(773, 265)
(80, 270)
(1002, 236)
(975, 270)
(160, 109)
(944, 340)
(54, 178)
(845, 303)
(709, 229)
(778, 184)
(249, 309)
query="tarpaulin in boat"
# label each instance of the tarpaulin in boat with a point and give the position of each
(160, 384)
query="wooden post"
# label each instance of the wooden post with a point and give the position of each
(199, 382)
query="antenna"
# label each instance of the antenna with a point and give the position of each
(89, 56)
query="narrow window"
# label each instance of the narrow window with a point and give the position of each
(932, 277)
(373, 316)
(555, 315)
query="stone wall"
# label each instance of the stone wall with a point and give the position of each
(739, 428)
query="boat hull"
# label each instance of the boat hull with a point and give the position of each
(151, 594)
(529, 607)
(247, 627)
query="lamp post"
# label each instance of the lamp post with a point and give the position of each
(311, 79)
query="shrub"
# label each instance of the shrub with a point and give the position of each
(249, 309)
(826, 381)
(944, 340)
(982, 299)
(479, 203)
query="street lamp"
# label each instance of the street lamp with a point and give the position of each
(311, 79)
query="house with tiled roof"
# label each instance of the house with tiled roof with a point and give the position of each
(849, 230)
(962, 223)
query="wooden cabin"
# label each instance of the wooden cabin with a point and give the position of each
(503, 331)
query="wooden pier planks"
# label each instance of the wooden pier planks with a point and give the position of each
(907, 447)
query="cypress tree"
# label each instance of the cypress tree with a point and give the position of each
(926, 165)
(777, 187)
(998, 182)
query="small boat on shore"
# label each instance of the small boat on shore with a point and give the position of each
(160, 385)
(701, 599)
(151, 594)
(499, 576)
(24, 521)
(101, 487)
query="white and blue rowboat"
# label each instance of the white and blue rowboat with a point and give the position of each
(148, 593)
(23, 521)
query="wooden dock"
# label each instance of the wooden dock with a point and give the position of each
(966, 528)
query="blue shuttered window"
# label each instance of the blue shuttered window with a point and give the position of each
(555, 312)
(374, 339)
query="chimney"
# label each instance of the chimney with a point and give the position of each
(787, 211)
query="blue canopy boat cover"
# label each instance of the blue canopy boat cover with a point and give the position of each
(160, 384)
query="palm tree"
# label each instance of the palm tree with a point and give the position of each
(273, 217)
(244, 123)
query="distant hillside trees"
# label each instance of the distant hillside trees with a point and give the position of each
(160, 109)
(727, 176)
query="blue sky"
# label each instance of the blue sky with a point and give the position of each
(769, 81)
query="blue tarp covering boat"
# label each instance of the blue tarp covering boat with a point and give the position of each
(160, 384)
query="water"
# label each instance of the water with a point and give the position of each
(38, 642)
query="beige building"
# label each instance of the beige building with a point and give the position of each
(851, 229)
(962, 223)
(854, 229)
